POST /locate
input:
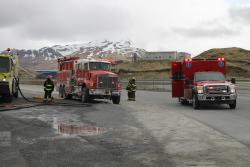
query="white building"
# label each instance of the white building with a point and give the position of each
(173, 55)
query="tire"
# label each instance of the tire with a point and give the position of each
(232, 105)
(66, 96)
(8, 98)
(85, 95)
(196, 104)
(184, 101)
(116, 99)
(15, 94)
(15, 88)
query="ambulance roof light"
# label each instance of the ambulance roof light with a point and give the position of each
(221, 59)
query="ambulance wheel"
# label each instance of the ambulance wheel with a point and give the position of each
(116, 99)
(184, 101)
(85, 95)
(232, 105)
(196, 104)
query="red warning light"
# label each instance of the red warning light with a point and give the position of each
(188, 60)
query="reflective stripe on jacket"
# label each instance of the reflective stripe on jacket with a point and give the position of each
(48, 85)
(131, 87)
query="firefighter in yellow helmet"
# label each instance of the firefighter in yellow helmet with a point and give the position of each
(48, 88)
(131, 88)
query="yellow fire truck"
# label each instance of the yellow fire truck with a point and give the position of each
(9, 81)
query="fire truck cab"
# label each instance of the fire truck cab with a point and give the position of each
(200, 81)
(9, 81)
(87, 79)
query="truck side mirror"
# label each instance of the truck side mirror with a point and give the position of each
(233, 80)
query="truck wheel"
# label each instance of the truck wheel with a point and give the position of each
(15, 88)
(85, 95)
(232, 105)
(8, 98)
(196, 104)
(116, 99)
(65, 95)
(15, 94)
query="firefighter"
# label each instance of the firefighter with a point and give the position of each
(131, 88)
(48, 88)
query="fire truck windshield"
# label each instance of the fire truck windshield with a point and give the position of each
(99, 66)
(4, 64)
(209, 76)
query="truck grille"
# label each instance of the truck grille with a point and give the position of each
(107, 82)
(217, 89)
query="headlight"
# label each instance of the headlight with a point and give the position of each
(200, 89)
(232, 89)
(4, 79)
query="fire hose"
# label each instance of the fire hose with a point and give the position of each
(34, 103)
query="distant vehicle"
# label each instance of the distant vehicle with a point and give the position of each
(87, 79)
(201, 81)
(9, 81)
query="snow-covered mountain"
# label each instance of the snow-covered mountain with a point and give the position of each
(38, 59)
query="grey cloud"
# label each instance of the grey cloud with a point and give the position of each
(62, 20)
(14, 12)
(203, 32)
(241, 14)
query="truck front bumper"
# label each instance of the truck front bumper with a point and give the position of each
(4, 88)
(104, 92)
(217, 98)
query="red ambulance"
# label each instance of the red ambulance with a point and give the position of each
(203, 81)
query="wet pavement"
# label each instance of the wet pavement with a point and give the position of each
(152, 131)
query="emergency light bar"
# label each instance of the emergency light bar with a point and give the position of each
(221, 59)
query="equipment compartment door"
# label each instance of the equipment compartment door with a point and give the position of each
(177, 88)
(177, 80)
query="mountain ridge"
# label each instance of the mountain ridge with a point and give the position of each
(46, 57)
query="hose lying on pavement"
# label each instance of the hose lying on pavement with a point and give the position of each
(34, 103)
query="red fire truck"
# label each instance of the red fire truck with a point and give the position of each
(200, 81)
(87, 79)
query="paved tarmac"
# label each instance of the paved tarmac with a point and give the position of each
(153, 131)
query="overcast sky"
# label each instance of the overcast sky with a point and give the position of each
(155, 25)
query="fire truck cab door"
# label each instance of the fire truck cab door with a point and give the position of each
(177, 80)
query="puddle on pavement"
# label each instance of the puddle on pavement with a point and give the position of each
(68, 129)
(81, 130)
